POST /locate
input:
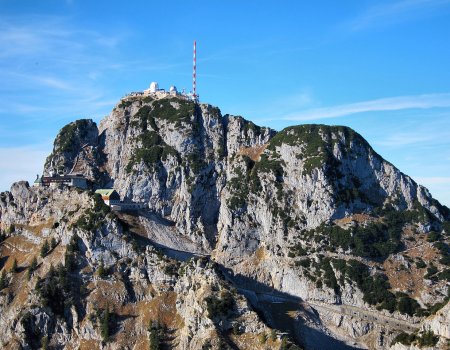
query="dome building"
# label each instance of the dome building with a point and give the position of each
(173, 90)
(154, 87)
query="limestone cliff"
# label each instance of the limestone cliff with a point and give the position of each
(329, 242)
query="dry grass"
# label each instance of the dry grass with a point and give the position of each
(260, 255)
(250, 341)
(37, 227)
(254, 153)
(135, 316)
(403, 279)
(357, 218)
(89, 344)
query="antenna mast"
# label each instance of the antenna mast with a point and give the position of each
(194, 74)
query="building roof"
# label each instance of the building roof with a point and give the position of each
(107, 192)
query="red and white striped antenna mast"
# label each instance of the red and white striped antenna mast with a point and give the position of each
(194, 74)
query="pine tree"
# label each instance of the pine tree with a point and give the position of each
(273, 335)
(284, 344)
(3, 280)
(33, 264)
(155, 336)
(263, 338)
(44, 343)
(14, 266)
(53, 243)
(45, 249)
(32, 268)
(104, 324)
(69, 261)
(101, 270)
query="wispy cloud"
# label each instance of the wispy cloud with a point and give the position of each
(395, 11)
(383, 104)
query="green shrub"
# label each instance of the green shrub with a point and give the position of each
(14, 266)
(102, 271)
(408, 306)
(431, 272)
(273, 335)
(444, 275)
(93, 218)
(428, 339)
(58, 290)
(44, 343)
(32, 334)
(404, 338)
(3, 280)
(329, 277)
(420, 264)
(66, 139)
(45, 249)
(105, 324)
(156, 336)
(263, 338)
(152, 152)
(32, 268)
(219, 306)
(433, 236)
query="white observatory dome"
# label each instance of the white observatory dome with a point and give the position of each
(173, 89)
(154, 87)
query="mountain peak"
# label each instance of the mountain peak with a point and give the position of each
(310, 216)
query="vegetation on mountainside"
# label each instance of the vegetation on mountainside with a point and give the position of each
(220, 306)
(156, 335)
(3, 280)
(57, 290)
(317, 143)
(105, 323)
(33, 335)
(45, 249)
(249, 180)
(425, 339)
(152, 151)
(31, 268)
(375, 288)
(66, 139)
(125, 103)
(163, 109)
(92, 219)
(61, 288)
(376, 239)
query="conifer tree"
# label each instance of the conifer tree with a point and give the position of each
(14, 266)
(45, 249)
(104, 324)
(53, 243)
(3, 280)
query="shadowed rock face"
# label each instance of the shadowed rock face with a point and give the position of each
(295, 212)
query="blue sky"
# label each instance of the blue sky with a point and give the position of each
(380, 67)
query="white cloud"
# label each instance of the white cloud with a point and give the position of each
(394, 12)
(21, 163)
(406, 139)
(383, 104)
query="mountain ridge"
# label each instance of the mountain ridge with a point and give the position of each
(310, 213)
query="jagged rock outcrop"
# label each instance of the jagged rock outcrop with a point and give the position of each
(310, 217)
(190, 303)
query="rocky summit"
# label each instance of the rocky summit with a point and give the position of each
(246, 238)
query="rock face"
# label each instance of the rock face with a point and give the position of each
(329, 242)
